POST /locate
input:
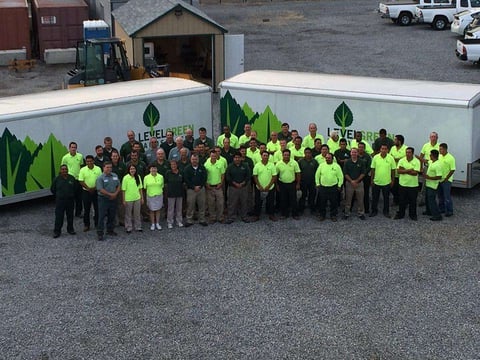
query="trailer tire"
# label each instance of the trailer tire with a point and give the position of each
(404, 19)
(440, 23)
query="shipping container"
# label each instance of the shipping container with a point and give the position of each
(14, 26)
(58, 24)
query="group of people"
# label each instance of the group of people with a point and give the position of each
(197, 179)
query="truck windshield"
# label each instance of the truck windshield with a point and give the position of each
(94, 66)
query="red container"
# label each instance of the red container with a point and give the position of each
(58, 24)
(14, 25)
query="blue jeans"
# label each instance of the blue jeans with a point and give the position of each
(445, 203)
(431, 202)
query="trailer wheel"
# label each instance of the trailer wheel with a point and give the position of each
(404, 19)
(440, 23)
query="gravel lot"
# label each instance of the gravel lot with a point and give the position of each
(379, 289)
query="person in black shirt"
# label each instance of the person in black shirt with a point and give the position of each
(63, 187)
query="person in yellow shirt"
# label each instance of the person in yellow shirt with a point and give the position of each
(264, 177)
(87, 178)
(132, 199)
(333, 141)
(288, 182)
(358, 139)
(274, 144)
(383, 175)
(408, 169)
(74, 161)
(433, 176)
(445, 203)
(298, 150)
(329, 181)
(153, 184)
(309, 140)
(214, 186)
(398, 151)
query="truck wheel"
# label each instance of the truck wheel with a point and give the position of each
(440, 23)
(404, 19)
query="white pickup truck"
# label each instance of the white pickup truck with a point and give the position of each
(440, 16)
(462, 20)
(468, 50)
(402, 12)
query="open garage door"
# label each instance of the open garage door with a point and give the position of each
(189, 57)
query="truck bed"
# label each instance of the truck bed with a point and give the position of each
(404, 2)
(469, 41)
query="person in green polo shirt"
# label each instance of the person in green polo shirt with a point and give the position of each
(398, 152)
(433, 176)
(214, 185)
(445, 203)
(383, 175)
(309, 140)
(74, 161)
(88, 178)
(288, 182)
(329, 181)
(153, 184)
(132, 199)
(265, 177)
(408, 169)
(234, 142)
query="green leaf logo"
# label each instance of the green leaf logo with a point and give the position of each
(343, 116)
(151, 117)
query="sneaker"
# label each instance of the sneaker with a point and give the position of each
(180, 224)
(229, 221)
(188, 224)
(71, 232)
(362, 217)
(271, 217)
(345, 217)
(397, 217)
(321, 218)
(373, 213)
(100, 237)
(152, 227)
(56, 235)
(86, 228)
(158, 226)
(170, 226)
(448, 215)
(334, 218)
(203, 223)
(112, 233)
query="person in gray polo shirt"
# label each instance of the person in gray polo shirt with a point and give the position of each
(108, 187)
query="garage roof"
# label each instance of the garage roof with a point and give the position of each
(138, 14)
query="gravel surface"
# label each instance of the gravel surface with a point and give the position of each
(379, 289)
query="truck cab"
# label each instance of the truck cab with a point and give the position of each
(462, 20)
(439, 17)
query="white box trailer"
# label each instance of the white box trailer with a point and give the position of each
(35, 130)
(412, 108)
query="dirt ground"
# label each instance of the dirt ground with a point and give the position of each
(41, 78)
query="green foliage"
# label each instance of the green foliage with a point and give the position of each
(151, 117)
(265, 124)
(46, 164)
(232, 115)
(343, 116)
(15, 159)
